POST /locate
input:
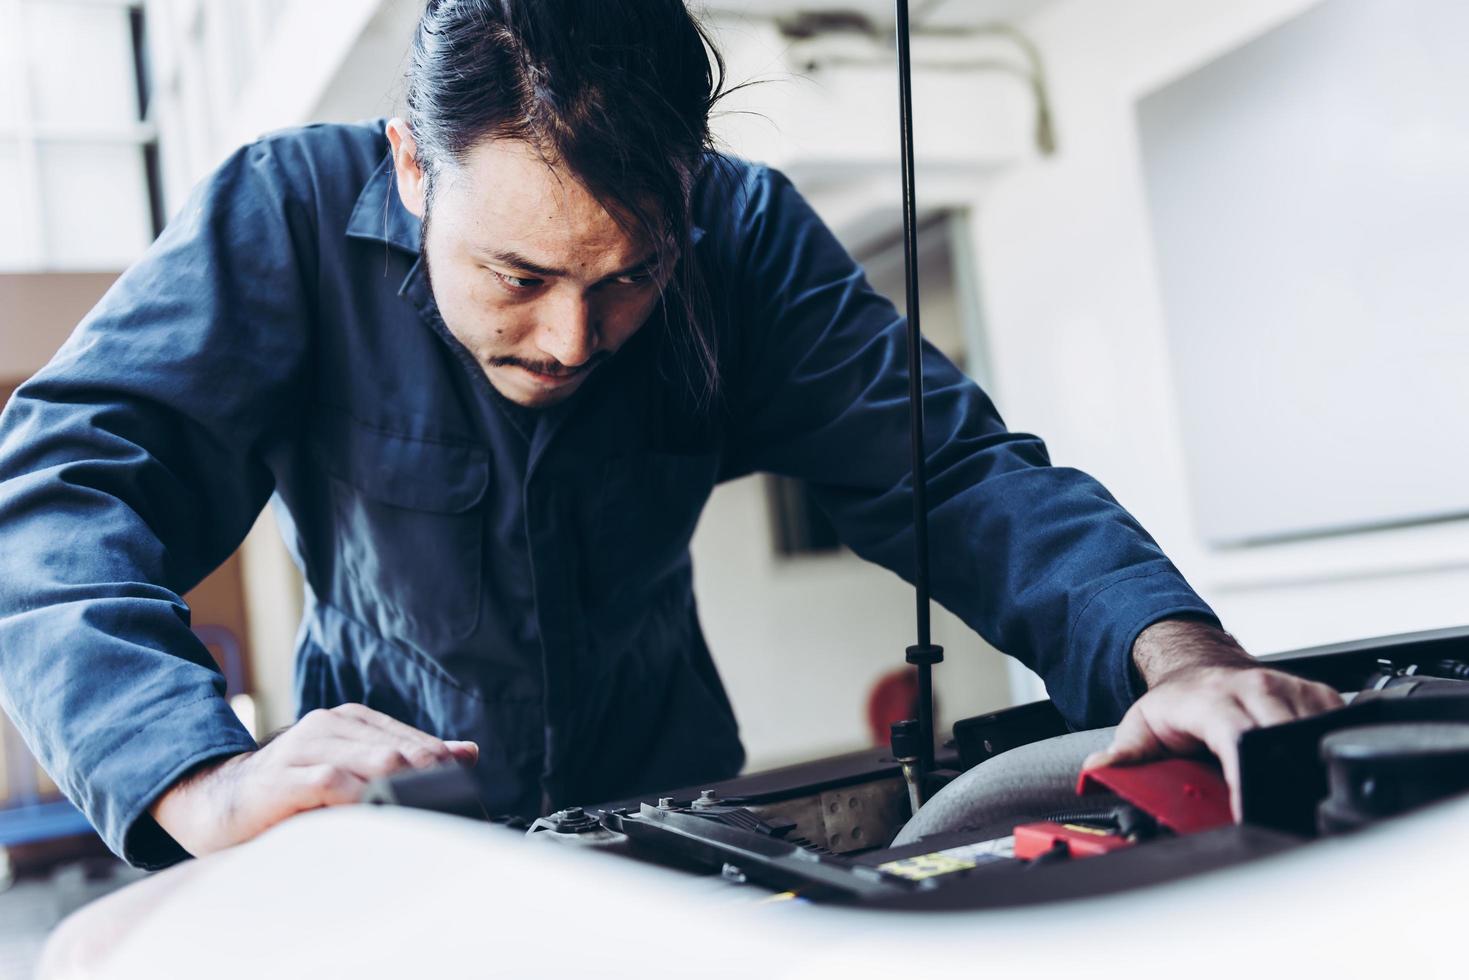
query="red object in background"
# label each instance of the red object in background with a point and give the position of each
(894, 698)
(1034, 839)
(1184, 795)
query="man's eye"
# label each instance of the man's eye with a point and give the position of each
(516, 282)
(635, 278)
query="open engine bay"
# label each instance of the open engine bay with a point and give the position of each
(1001, 815)
(1011, 824)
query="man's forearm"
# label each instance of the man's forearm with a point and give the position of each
(1171, 645)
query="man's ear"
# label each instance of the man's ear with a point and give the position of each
(410, 176)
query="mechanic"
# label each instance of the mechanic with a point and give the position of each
(488, 362)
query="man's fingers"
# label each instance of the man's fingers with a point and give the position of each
(1134, 741)
(1212, 709)
(364, 758)
(1265, 703)
(394, 729)
(1312, 698)
(1273, 698)
(427, 750)
(465, 752)
(324, 785)
(420, 748)
(1221, 733)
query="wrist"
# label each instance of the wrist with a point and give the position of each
(185, 809)
(1171, 646)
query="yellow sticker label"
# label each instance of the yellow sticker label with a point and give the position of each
(925, 866)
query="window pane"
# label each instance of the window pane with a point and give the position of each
(81, 64)
(18, 245)
(10, 68)
(94, 203)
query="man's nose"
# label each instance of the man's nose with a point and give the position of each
(568, 331)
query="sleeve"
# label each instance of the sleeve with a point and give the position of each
(130, 467)
(1039, 560)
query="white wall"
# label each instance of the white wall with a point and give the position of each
(1308, 209)
(1078, 340)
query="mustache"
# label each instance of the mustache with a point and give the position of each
(554, 369)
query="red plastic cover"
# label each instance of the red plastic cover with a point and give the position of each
(1184, 795)
(1034, 839)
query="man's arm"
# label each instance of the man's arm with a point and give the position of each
(132, 465)
(1204, 691)
(1039, 560)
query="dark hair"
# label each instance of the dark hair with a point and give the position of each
(618, 91)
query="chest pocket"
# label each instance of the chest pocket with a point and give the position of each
(409, 533)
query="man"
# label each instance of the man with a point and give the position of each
(490, 362)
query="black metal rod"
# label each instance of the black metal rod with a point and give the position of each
(915, 337)
(915, 392)
(925, 727)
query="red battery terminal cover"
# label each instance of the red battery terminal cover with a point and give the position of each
(1034, 839)
(1185, 795)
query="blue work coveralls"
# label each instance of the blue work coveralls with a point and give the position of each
(481, 572)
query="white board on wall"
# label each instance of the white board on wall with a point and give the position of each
(1309, 200)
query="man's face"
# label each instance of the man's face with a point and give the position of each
(530, 272)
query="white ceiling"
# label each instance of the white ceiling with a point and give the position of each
(945, 13)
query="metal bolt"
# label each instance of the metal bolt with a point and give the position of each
(572, 813)
(665, 803)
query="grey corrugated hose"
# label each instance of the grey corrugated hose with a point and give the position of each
(1024, 783)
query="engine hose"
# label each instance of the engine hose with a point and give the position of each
(1033, 779)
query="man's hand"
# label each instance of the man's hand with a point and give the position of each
(1204, 691)
(324, 759)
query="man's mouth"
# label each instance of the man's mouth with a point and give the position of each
(552, 379)
(552, 375)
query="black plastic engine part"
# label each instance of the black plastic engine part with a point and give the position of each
(904, 739)
(1457, 669)
(986, 736)
(449, 788)
(1282, 777)
(1379, 771)
(744, 854)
